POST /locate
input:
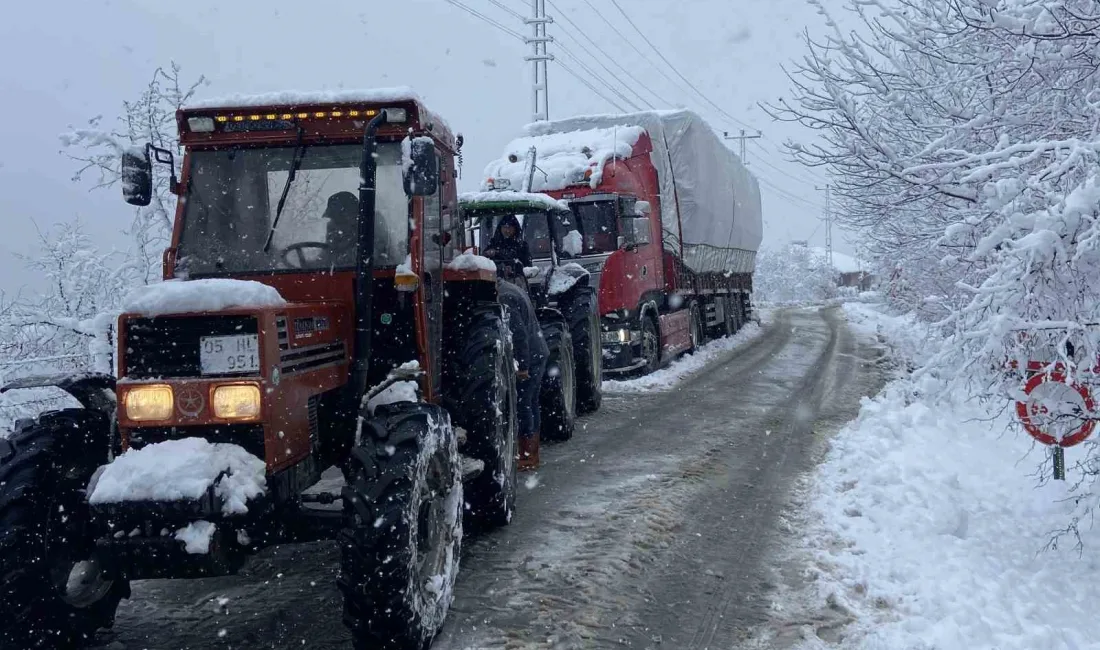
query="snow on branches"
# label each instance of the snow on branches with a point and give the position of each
(151, 118)
(963, 140)
(793, 274)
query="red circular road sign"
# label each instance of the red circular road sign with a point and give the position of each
(1037, 418)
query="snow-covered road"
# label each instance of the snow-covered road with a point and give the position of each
(657, 526)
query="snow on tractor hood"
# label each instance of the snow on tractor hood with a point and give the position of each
(207, 295)
(563, 158)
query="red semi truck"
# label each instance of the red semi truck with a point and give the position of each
(664, 216)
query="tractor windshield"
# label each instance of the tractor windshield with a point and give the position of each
(232, 197)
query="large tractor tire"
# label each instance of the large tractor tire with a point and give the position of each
(53, 593)
(583, 315)
(402, 533)
(486, 400)
(558, 394)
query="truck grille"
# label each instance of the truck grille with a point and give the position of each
(169, 346)
(248, 436)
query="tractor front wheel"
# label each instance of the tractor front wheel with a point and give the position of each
(402, 531)
(583, 315)
(558, 395)
(54, 593)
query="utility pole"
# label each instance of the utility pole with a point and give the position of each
(540, 91)
(742, 138)
(828, 223)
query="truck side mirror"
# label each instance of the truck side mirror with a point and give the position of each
(635, 232)
(422, 171)
(137, 177)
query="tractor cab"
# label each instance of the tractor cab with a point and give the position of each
(548, 228)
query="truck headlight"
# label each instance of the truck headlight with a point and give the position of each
(236, 402)
(150, 402)
(619, 336)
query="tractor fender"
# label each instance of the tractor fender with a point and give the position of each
(94, 391)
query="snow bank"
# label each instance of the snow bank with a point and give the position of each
(563, 158)
(927, 525)
(508, 196)
(196, 537)
(182, 469)
(470, 262)
(214, 294)
(668, 377)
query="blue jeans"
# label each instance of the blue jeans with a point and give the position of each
(527, 400)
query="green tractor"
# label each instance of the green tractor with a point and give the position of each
(562, 293)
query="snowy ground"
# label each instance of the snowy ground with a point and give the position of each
(927, 529)
(689, 364)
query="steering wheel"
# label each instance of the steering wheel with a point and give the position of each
(298, 248)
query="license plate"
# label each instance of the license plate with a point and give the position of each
(229, 355)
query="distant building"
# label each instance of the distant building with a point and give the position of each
(862, 280)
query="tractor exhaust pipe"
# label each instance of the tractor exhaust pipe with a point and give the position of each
(364, 265)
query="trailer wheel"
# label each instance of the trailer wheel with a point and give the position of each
(730, 322)
(402, 532)
(696, 325)
(53, 592)
(738, 309)
(486, 400)
(584, 326)
(558, 396)
(651, 345)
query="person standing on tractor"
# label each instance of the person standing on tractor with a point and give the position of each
(508, 244)
(530, 352)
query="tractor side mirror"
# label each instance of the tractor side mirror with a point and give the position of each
(422, 168)
(137, 177)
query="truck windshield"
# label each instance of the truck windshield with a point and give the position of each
(233, 193)
(597, 225)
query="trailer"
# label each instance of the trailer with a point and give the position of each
(669, 222)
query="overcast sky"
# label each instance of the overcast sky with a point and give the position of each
(65, 63)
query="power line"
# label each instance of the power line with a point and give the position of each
(614, 60)
(590, 86)
(477, 14)
(579, 61)
(673, 68)
(515, 14)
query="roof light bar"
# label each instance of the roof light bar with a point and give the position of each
(205, 124)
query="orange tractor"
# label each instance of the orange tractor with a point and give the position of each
(312, 318)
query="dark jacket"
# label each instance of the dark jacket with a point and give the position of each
(528, 347)
(509, 248)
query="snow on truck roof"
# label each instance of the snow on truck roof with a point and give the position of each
(320, 97)
(563, 158)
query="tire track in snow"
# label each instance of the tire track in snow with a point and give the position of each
(594, 597)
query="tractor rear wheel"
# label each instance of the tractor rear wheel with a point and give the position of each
(402, 531)
(53, 592)
(558, 395)
(583, 315)
(486, 401)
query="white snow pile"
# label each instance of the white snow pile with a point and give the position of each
(573, 242)
(563, 158)
(468, 261)
(400, 391)
(930, 529)
(405, 267)
(212, 294)
(670, 376)
(182, 469)
(510, 196)
(196, 537)
(564, 277)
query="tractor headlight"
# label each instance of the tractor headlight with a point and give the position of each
(237, 401)
(151, 402)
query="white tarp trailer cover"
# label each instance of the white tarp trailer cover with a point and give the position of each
(709, 201)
